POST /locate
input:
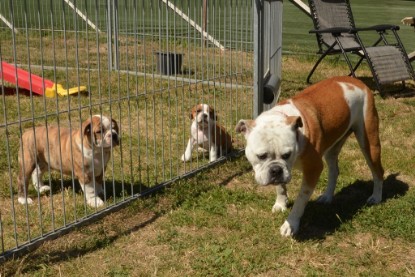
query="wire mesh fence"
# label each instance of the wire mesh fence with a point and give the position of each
(144, 64)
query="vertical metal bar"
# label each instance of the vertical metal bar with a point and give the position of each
(25, 13)
(258, 57)
(165, 22)
(52, 14)
(74, 18)
(135, 33)
(205, 21)
(109, 64)
(146, 98)
(9, 169)
(13, 211)
(46, 118)
(185, 116)
(45, 109)
(119, 115)
(109, 34)
(116, 62)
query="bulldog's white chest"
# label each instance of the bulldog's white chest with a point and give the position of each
(200, 137)
(94, 161)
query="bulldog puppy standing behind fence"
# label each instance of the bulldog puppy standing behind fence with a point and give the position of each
(85, 152)
(207, 133)
(300, 131)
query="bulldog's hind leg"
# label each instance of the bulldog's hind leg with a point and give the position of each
(27, 164)
(369, 142)
(332, 160)
(23, 183)
(91, 195)
(37, 176)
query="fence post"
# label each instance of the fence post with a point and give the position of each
(267, 53)
(115, 22)
(205, 21)
(109, 34)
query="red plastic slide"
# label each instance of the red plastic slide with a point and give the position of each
(34, 83)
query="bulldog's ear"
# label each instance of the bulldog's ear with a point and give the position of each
(115, 125)
(295, 121)
(86, 127)
(245, 127)
(212, 114)
(193, 113)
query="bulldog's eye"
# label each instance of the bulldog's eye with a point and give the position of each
(262, 156)
(98, 132)
(286, 156)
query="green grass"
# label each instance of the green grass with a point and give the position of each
(152, 112)
(219, 223)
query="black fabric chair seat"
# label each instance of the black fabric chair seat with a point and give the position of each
(388, 63)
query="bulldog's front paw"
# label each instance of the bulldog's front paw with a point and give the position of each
(24, 200)
(374, 199)
(185, 158)
(212, 158)
(44, 188)
(289, 229)
(325, 198)
(279, 207)
(94, 201)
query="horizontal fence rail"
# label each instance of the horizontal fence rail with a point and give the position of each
(142, 63)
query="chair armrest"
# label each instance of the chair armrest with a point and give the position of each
(335, 30)
(379, 28)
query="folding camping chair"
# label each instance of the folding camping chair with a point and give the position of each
(337, 34)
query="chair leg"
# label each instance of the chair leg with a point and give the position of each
(347, 58)
(319, 61)
(356, 66)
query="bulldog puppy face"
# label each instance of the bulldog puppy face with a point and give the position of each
(203, 114)
(272, 146)
(101, 132)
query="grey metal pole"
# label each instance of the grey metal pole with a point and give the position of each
(267, 53)
(258, 57)
(109, 34)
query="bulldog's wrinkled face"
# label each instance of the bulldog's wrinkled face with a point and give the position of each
(101, 132)
(203, 114)
(272, 147)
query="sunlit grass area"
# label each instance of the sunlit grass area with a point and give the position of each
(219, 221)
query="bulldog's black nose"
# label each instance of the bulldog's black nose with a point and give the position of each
(276, 171)
(205, 116)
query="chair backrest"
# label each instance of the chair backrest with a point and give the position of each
(331, 14)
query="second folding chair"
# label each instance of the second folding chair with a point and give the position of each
(337, 34)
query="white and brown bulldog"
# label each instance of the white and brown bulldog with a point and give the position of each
(85, 152)
(206, 133)
(300, 131)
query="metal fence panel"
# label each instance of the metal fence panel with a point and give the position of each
(113, 49)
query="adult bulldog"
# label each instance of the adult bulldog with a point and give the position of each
(300, 131)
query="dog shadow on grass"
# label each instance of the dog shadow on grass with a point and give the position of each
(320, 220)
